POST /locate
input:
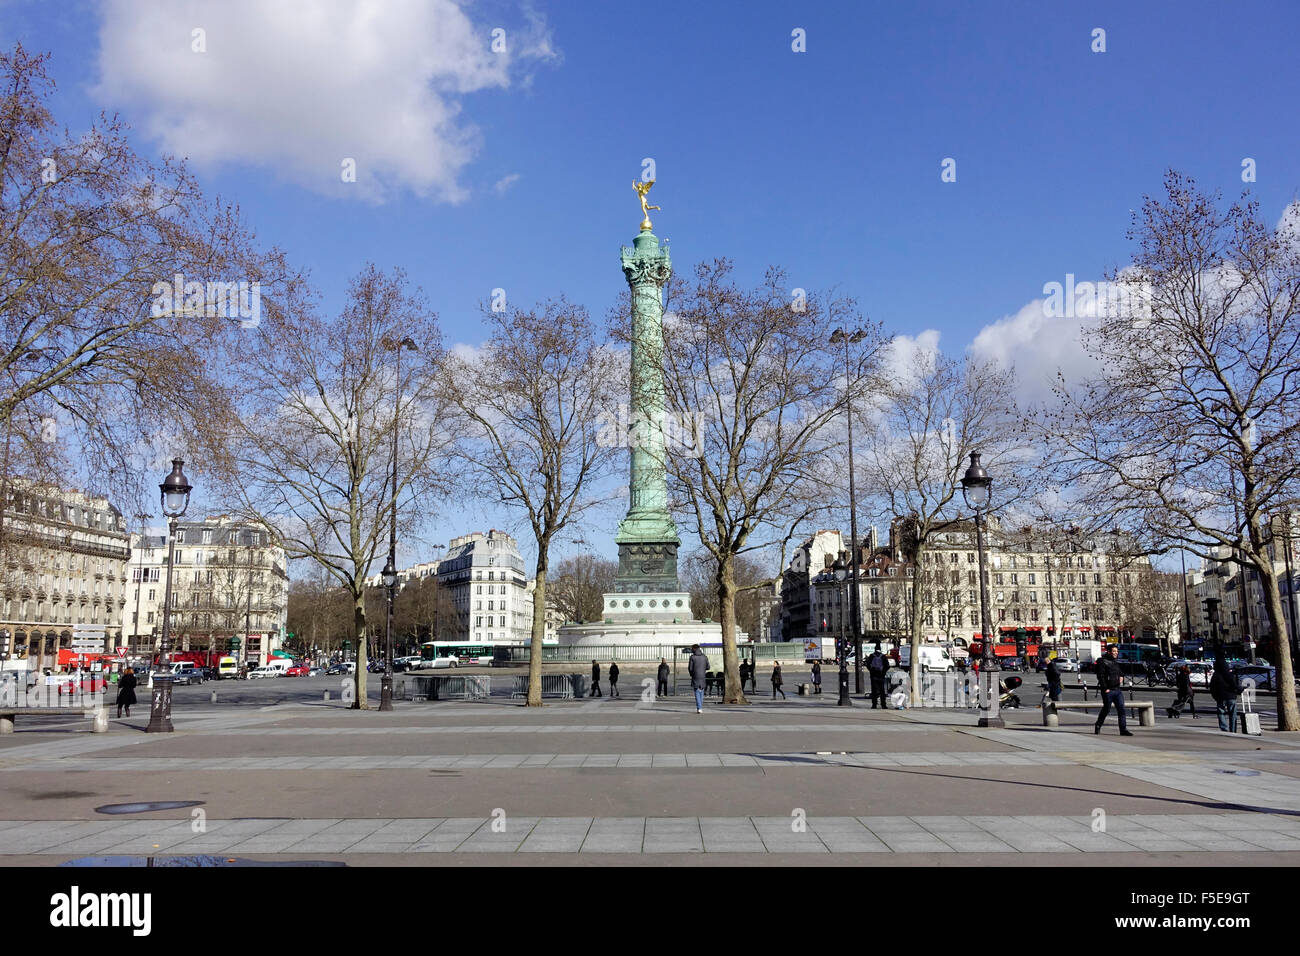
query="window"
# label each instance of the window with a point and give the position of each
(180, 535)
(1032, 580)
(1033, 614)
(1015, 579)
(207, 535)
(999, 597)
(972, 599)
(875, 595)
(1096, 579)
(478, 622)
(480, 589)
(1098, 597)
(970, 557)
(1002, 614)
(970, 577)
(1033, 597)
(503, 621)
(1083, 613)
(997, 579)
(875, 620)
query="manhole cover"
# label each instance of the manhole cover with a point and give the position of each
(1240, 773)
(147, 807)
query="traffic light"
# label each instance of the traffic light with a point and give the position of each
(1211, 606)
(1022, 642)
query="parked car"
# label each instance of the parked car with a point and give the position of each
(298, 671)
(1200, 671)
(189, 675)
(1064, 664)
(259, 672)
(335, 669)
(315, 671)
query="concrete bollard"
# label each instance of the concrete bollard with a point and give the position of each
(100, 725)
(213, 698)
(327, 695)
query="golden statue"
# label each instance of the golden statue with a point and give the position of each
(641, 190)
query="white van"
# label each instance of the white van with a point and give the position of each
(932, 658)
(280, 664)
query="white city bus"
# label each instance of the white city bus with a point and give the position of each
(454, 653)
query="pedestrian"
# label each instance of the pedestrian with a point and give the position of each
(613, 679)
(776, 680)
(817, 677)
(697, 667)
(744, 675)
(1223, 688)
(1053, 680)
(753, 677)
(595, 680)
(1110, 682)
(1183, 680)
(126, 692)
(661, 690)
(878, 668)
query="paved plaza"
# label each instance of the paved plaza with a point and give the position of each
(798, 781)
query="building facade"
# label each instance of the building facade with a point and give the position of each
(484, 576)
(230, 591)
(63, 558)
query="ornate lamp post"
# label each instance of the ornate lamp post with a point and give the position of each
(389, 574)
(977, 490)
(852, 338)
(175, 490)
(841, 572)
(389, 577)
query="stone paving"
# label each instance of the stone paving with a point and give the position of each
(987, 796)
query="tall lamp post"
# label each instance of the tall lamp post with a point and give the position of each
(977, 490)
(841, 572)
(852, 338)
(389, 574)
(175, 490)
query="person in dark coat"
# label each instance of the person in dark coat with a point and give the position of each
(878, 668)
(817, 677)
(776, 681)
(1110, 683)
(698, 667)
(126, 692)
(753, 677)
(1223, 688)
(1053, 680)
(1183, 681)
(595, 680)
(613, 679)
(744, 675)
(661, 690)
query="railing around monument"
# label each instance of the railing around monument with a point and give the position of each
(641, 653)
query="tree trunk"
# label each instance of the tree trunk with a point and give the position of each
(359, 629)
(914, 665)
(726, 587)
(539, 630)
(1288, 714)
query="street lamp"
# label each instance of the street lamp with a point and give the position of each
(852, 338)
(977, 490)
(841, 572)
(389, 573)
(175, 490)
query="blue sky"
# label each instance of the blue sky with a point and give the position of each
(826, 162)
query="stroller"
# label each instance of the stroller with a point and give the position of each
(1007, 698)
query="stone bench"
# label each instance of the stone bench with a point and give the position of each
(98, 714)
(1144, 710)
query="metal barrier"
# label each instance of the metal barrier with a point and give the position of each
(644, 653)
(563, 686)
(447, 687)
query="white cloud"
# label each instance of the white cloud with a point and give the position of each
(298, 86)
(1036, 345)
(505, 182)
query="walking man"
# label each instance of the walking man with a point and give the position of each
(753, 677)
(1053, 680)
(595, 680)
(878, 667)
(1110, 680)
(661, 690)
(1223, 688)
(744, 675)
(697, 667)
(613, 679)
(817, 677)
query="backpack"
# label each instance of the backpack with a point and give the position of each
(876, 663)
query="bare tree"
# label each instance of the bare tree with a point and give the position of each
(116, 304)
(315, 435)
(579, 585)
(528, 421)
(926, 418)
(756, 373)
(753, 585)
(1188, 435)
